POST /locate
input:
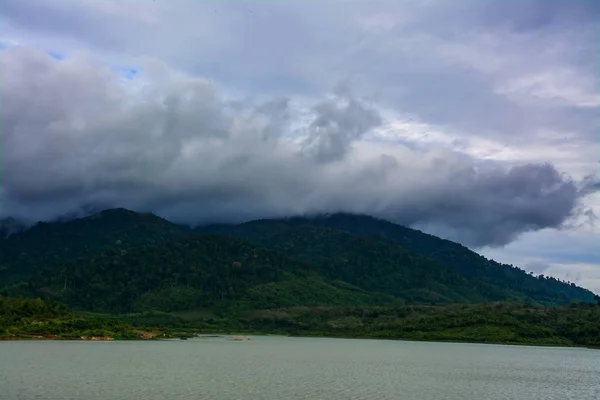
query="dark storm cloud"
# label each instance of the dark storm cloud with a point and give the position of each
(524, 198)
(75, 138)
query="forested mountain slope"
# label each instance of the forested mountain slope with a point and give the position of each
(375, 264)
(196, 272)
(444, 252)
(121, 261)
(51, 244)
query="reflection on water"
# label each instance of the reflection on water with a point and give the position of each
(276, 368)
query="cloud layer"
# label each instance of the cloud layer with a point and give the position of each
(77, 136)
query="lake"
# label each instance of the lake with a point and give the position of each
(274, 368)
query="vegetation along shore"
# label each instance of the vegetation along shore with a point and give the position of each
(121, 275)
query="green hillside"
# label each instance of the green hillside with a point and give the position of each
(195, 272)
(51, 244)
(120, 261)
(340, 275)
(374, 264)
(508, 281)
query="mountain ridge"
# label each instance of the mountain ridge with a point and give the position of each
(446, 252)
(52, 243)
(343, 255)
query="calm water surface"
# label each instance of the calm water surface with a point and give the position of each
(291, 368)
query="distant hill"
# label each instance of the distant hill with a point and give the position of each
(196, 272)
(121, 261)
(510, 280)
(52, 244)
(375, 264)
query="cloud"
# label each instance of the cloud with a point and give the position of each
(76, 136)
(336, 126)
(487, 69)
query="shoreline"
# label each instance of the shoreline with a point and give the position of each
(186, 336)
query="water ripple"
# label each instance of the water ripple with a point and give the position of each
(283, 368)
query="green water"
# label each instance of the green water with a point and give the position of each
(294, 368)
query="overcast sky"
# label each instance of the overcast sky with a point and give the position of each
(473, 120)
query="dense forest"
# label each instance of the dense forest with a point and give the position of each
(512, 280)
(50, 244)
(196, 272)
(508, 323)
(23, 318)
(499, 322)
(578, 324)
(341, 275)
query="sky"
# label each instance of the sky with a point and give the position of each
(472, 120)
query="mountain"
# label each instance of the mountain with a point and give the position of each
(375, 264)
(122, 261)
(512, 281)
(197, 272)
(311, 267)
(337, 275)
(54, 243)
